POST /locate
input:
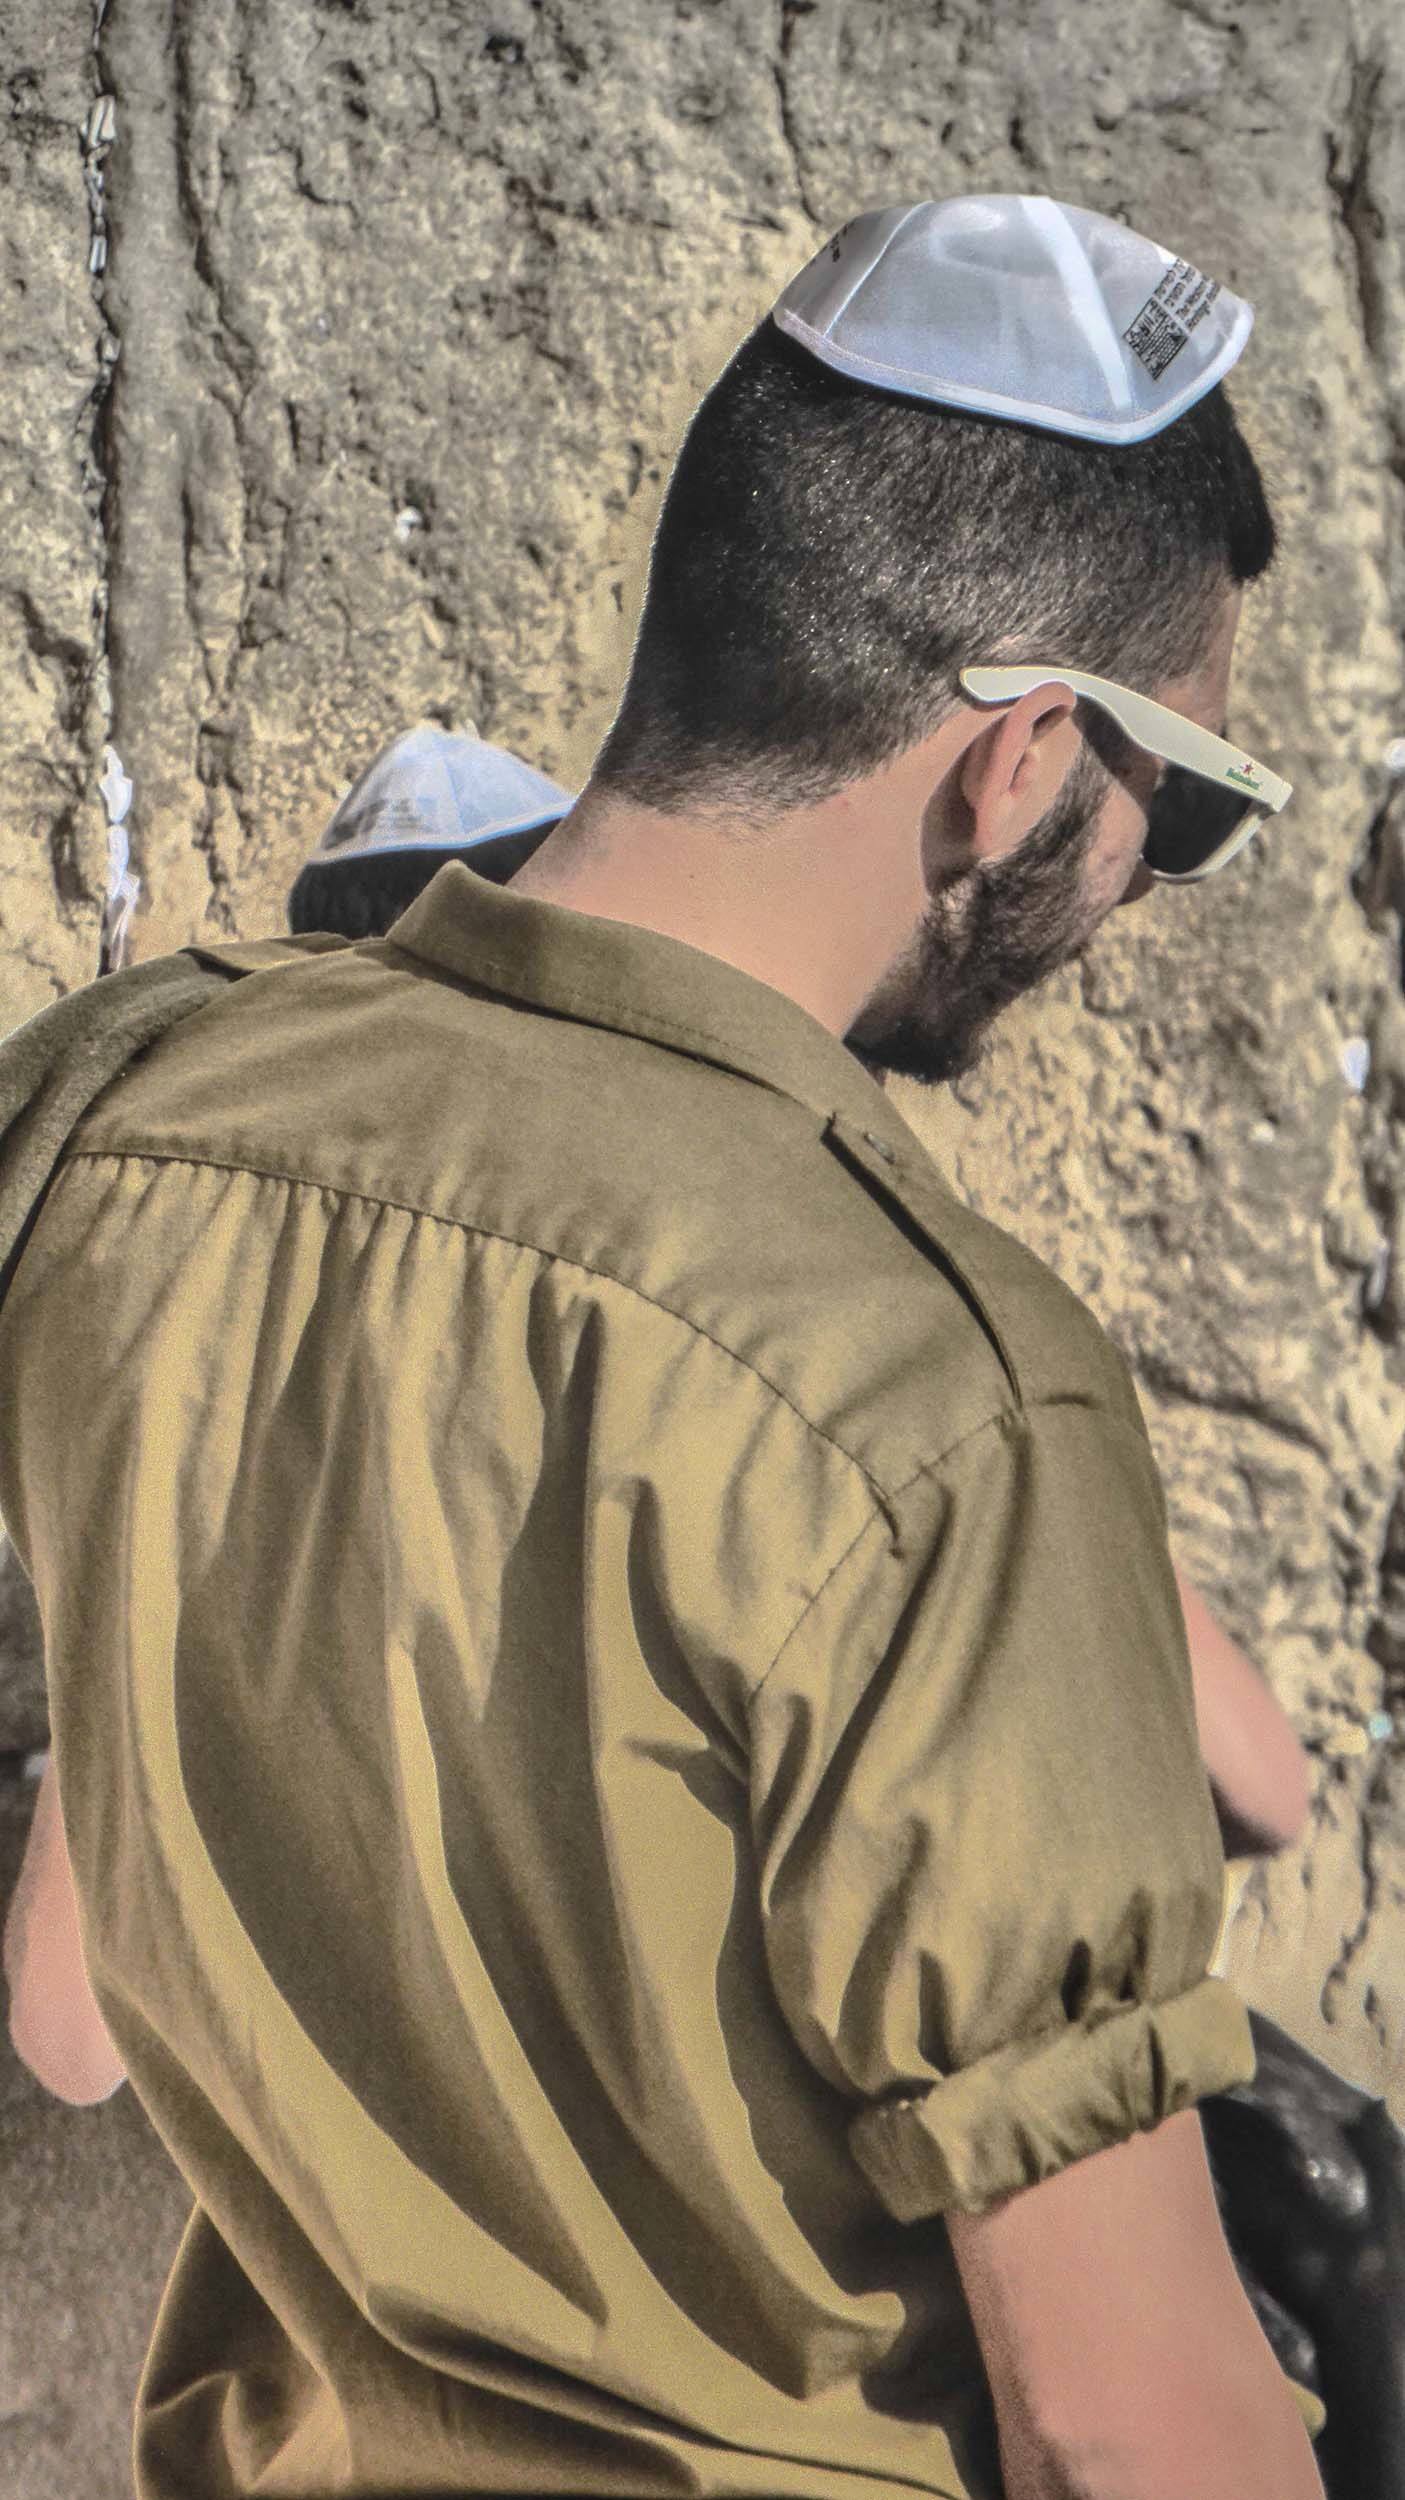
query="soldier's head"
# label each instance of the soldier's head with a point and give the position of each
(851, 528)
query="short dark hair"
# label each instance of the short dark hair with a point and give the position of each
(359, 897)
(828, 556)
(357, 894)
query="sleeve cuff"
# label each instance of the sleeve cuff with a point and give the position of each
(1029, 2110)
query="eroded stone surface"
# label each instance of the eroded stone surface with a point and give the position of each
(412, 302)
(51, 373)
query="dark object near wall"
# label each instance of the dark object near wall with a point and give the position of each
(1309, 2175)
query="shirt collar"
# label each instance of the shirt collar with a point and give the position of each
(638, 981)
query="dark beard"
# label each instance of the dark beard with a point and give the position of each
(990, 935)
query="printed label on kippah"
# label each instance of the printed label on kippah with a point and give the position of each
(1169, 314)
(391, 816)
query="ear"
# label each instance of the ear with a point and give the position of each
(1010, 773)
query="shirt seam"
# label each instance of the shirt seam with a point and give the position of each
(1000, 1415)
(461, 1224)
(1028, 1407)
(809, 1604)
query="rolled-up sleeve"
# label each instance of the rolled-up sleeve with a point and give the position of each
(991, 1876)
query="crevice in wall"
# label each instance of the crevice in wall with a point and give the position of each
(780, 70)
(1378, 877)
(1374, 1808)
(231, 380)
(99, 487)
(1364, 107)
(1378, 881)
(1349, 179)
(1158, 1375)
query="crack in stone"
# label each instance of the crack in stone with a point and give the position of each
(238, 356)
(93, 434)
(1378, 878)
(1378, 875)
(780, 71)
(1374, 1806)
(1022, 147)
(1349, 168)
(1159, 1376)
(73, 658)
(1384, 1638)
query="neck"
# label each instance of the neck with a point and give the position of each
(803, 905)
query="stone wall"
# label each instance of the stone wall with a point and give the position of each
(344, 348)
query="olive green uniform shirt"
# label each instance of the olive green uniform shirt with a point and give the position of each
(622, 1714)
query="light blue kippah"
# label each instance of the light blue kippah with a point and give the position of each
(439, 790)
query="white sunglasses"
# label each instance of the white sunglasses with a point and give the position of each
(1209, 800)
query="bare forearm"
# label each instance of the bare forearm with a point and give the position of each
(1123, 2356)
(1231, 2451)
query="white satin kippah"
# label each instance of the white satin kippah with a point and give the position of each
(1021, 307)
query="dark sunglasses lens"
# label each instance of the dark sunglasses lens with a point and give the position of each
(1190, 820)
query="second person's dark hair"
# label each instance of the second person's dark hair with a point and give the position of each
(360, 897)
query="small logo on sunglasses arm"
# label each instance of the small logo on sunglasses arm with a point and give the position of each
(1244, 773)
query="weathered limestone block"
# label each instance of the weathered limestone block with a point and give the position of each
(52, 377)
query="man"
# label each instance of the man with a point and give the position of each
(640, 1833)
(432, 795)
